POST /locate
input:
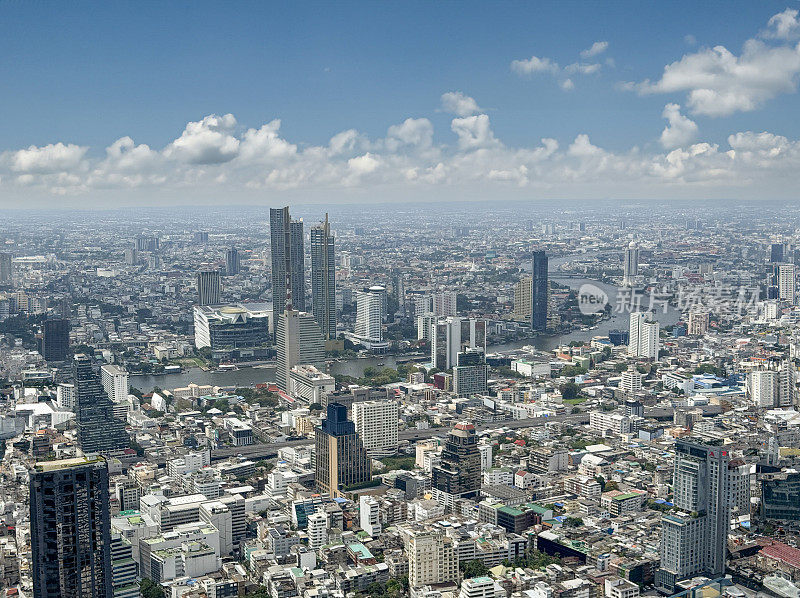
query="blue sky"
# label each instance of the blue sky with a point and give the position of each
(85, 75)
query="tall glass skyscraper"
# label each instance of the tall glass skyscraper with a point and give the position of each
(232, 261)
(323, 279)
(341, 459)
(71, 529)
(286, 242)
(539, 291)
(98, 430)
(55, 339)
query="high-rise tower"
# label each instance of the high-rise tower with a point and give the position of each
(232, 262)
(55, 339)
(298, 341)
(71, 529)
(288, 267)
(539, 291)
(323, 279)
(459, 473)
(694, 539)
(98, 430)
(341, 459)
(630, 269)
(208, 288)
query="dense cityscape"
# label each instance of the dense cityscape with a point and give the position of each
(449, 400)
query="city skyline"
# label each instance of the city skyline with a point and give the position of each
(567, 108)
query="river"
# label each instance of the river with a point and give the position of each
(250, 376)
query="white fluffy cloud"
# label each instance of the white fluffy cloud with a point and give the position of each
(209, 141)
(410, 162)
(680, 129)
(784, 25)
(719, 83)
(55, 157)
(534, 64)
(597, 48)
(474, 132)
(459, 104)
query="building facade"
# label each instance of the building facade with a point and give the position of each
(71, 529)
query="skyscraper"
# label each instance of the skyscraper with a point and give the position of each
(777, 252)
(694, 538)
(451, 336)
(370, 306)
(98, 430)
(71, 529)
(208, 288)
(630, 269)
(376, 424)
(643, 336)
(55, 339)
(459, 473)
(286, 243)
(471, 375)
(539, 291)
(6, 269)
(785, 277)
(298, 341)
(232, 261)
(341, 459)
(323, 279)
(522, 299)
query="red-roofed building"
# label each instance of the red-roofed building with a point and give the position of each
(778, 555)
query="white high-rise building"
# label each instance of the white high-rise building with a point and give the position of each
(763, 387)
(377, 424)
(444, 303)
(786, 283)
(219, 515)
(431, 558)
(631, 380)
(694, 538)
(630, 269)
(298, 340)
(773, 388)
(369, 515)
(643, 336)
(370, 312)
(317, 530)
(115, 382)
(65, 396)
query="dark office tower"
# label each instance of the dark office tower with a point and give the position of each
(459, 473)
(71, 529)
(323, 279)
(98, 430)
(539, 288)
(232, 262)
(286, 241)
(6, 269)
(55, 339)
(208, 288)
(201, 237)
(777, 252)
(341, 459)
